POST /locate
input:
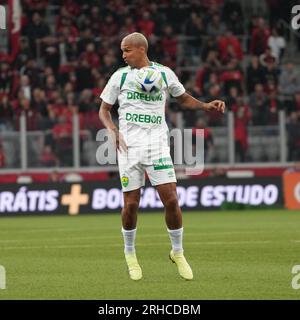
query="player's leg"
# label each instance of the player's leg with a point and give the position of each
(129, 219)
(173, 216)
(132, 178)
(130, 209)
(168, 196)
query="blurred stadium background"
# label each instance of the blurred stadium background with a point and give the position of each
(55, 62)
(54, 68)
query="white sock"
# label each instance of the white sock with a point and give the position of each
(129, 240)
(176, 239)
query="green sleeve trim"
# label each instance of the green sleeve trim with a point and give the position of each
(164, 78)
(124, 75)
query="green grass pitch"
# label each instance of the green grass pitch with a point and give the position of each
(234, 255)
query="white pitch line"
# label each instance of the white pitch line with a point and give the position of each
(116, 237)
(120, 245)
(52, 230)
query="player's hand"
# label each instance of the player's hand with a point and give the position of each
(118, 140)
(217, 105)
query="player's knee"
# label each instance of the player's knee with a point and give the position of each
(172, 203)
(131, 207)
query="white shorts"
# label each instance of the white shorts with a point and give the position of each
(156, 162)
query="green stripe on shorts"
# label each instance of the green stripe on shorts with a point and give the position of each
(161, 167)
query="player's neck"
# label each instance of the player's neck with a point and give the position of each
(144, 63)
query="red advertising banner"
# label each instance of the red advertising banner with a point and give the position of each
(291, 186)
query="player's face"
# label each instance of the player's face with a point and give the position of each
(132, 55)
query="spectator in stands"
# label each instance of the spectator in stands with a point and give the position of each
(35, 6)
(205, 133)
(296, 103)
(109, 64)
(259, 38)
(169, 42)
(194, 29)
(25, 86)
(51, 88)
(267, 57)
(24, 54)
(62, 135)
(271, 75)
(289, 80)
(6, 114)
(39, 103)
(232, 76)
(275, 106)
(216, 27)
(90, 55)
(233, 16)
(146, 25)
(85, 99)
(232, 98)
(84, 79)
(6, 78)
(129, 25)
(33, 71)
(212, 80)
(255, 74)
(229, 47)
(36, 30)
(2, 157)
(48, 158)
(24, 107)
(258, 102)
(51, 52)
(209, 46)
(86, 37)
(242, 118)
(277, 44)
(292, 104)
(109, 27)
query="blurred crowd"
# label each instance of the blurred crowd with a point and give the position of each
(69, 49)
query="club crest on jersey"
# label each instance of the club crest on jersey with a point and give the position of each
(124, 181)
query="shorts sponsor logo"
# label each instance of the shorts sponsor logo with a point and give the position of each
(143, 118)
(124, 181)
(163, 163)
(171, 174)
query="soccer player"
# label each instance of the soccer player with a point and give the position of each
(143, 146)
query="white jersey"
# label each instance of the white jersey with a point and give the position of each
(141, 115)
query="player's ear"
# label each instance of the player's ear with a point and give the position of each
(142, 49)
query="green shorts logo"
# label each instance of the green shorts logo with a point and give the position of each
(171, 174)
(124, 181)
(163, 163)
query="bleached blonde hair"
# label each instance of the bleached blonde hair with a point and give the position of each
(137, 39)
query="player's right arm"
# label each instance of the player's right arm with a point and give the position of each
(109, 97)
(106, 119)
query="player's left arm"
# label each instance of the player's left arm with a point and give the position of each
(187, 101)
